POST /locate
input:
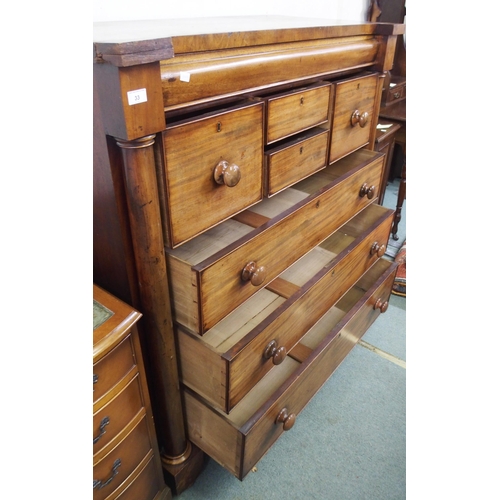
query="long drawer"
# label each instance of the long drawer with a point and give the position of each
(220, 269)
(238, 440)
(233, 356)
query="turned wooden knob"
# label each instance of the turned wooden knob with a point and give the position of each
(273, 351)
(228, 174)
(377, 249)
(382, 305)
(359, 118)
(368, 191)
(287, 420)
(253, 273)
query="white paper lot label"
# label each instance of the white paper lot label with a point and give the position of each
(137, 96)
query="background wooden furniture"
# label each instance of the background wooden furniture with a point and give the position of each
(189, 153)
(126, 457)
(384, 142)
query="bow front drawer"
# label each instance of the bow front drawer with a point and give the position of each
(238, 440)
(219, 270)
(212, 169)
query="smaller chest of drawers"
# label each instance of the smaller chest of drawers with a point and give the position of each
(126, 458)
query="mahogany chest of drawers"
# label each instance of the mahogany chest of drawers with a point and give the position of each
(244, 179)
(126, 458)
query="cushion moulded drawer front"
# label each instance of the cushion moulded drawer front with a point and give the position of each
(238, 441)
(244, 346)
(207, 286)
(297, 110)
(352, 115)
(213, 169)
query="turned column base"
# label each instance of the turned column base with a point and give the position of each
(181, 472)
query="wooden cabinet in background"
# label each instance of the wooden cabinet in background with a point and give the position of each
(126, 458)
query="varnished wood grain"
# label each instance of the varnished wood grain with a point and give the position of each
(291, 163)
(192, 151)
(233, 72)
(351, 95)
(295, 111)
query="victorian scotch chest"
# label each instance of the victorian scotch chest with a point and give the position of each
(236, 185)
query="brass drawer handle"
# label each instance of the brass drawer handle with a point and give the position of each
(359, 118)
(286, 419)
(253, 273)
(382, 305)
(396, 95)
(226, 173)
(368, 191)
(102, 430)
(377, 249)
(278, 354)
(98, 484)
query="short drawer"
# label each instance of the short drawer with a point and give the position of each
(298, 158)
(213, 161)
(113, 367)
(218, 271)
(256, 336)
(112, 419)
(238, 440)
(115, 468)
(396, 93)
(295, 111)
(352, 115)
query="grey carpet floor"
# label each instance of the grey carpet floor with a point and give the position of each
(349, 442)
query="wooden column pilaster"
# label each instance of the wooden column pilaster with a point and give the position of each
(180, 462)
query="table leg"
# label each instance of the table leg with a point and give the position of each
(399, 203)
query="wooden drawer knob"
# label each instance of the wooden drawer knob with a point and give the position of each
(228, 174)
(359, 118)
(254, 273)
(377, 249)
(368, 191)
(382, 305)
(287, 420)
(278, 354)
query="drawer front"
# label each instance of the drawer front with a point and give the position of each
(296, 111)
(288, 324)
(119, 463)
(112, 418)
(113, 367)
(239, 448)
(352, 115)
(145, 486)
(299, 231)
(213, 169)
(295, 161)
(396, 93)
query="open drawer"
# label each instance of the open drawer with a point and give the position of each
(238, 440)
(224, 364)
(222, 268)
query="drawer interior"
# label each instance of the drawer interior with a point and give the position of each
(206, 245)
(239, 323)
(264, 390)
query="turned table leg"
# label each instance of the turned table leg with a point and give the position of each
(399, 203)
